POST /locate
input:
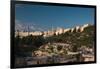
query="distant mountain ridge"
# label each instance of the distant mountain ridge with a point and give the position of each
(35, 27)
(28, 27)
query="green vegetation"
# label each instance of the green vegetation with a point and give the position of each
(27, 44)
(75, 39)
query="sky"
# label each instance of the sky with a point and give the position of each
(53, 16)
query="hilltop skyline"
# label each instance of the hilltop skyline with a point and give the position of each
(46, 17)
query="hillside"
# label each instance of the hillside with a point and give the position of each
(85, 38)
(76, 40)
(63, 48)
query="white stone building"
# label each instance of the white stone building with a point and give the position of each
(66, 30)
(83, 27)
(59, 31)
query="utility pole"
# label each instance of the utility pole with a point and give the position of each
(28, 30)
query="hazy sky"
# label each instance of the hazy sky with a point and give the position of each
(56, 16)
